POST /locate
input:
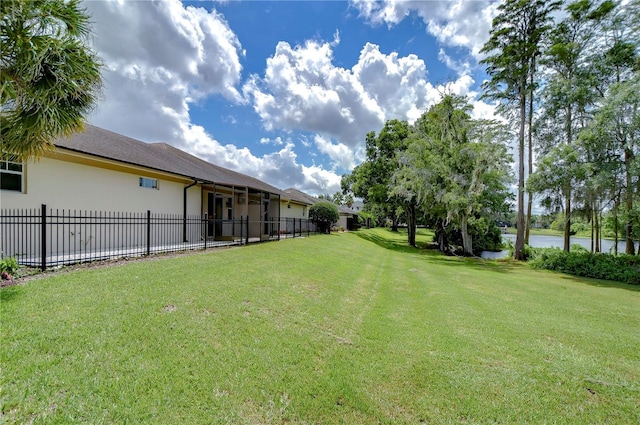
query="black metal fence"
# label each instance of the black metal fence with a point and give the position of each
(38, 238)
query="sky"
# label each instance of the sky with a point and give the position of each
(284, 91)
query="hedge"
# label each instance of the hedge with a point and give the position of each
(622, 268)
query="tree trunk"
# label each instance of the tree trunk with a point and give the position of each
(598, 228)
(518, 252)
(567, 220)
(615, 225)
(467, 243)
(567, 189)
(527, 229)
(628, 158)
(530, 158)
(592, 231)
(411, 223)
(441, 236)
(595, 227)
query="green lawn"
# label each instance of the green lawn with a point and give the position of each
(352, 328)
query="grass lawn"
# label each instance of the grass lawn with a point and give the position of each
(352, 328)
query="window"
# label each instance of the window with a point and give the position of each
(11, 175)
(150, 183)
(229, 205)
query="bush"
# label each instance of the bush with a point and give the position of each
(527, 253)
(324, 214)
(485, 234)
(8, 267)
(576, 247)
(622, 268)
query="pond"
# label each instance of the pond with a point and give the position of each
(545, 241)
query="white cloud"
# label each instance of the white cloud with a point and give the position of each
(279, 169)
(162, 57)
(320, 181)
(159, 58)
(455, 23)
(303, 90)
(485, 111)
(165, 39)
(276, 142)
(339, 153)
(462, 67)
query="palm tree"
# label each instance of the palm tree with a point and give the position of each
(49, 77)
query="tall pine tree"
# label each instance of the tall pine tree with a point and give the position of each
(515, 42)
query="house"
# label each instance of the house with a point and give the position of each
(295, 204)
(294, 213)
(294, 201)
(98, 170)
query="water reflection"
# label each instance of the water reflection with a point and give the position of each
(545, 241)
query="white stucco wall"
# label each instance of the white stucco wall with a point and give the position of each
(66, 185)
(296, 210)
(342, 222)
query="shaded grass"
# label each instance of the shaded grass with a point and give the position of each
(329, 329)
(397, 241)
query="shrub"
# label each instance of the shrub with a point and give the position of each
(8, 267)
(576, 247)
(527, 253)
(324, 214)
(622, 268)
(485, 234)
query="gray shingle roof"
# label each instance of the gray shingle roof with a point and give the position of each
(298, 196)
(103, 143)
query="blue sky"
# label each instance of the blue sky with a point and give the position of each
(282, 90)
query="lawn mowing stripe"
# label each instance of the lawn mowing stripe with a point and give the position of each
(335, 329)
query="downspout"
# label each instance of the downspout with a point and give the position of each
(184, 210)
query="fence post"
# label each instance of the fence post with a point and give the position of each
(203, 229)
(43, 237)
(148, 232)
(247, 234)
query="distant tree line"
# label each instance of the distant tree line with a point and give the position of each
(566, 77)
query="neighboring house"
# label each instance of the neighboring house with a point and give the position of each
(348, 218)
(357, 206)
(295, 204)
(294, 211)
(98, 170)
(300, 201)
